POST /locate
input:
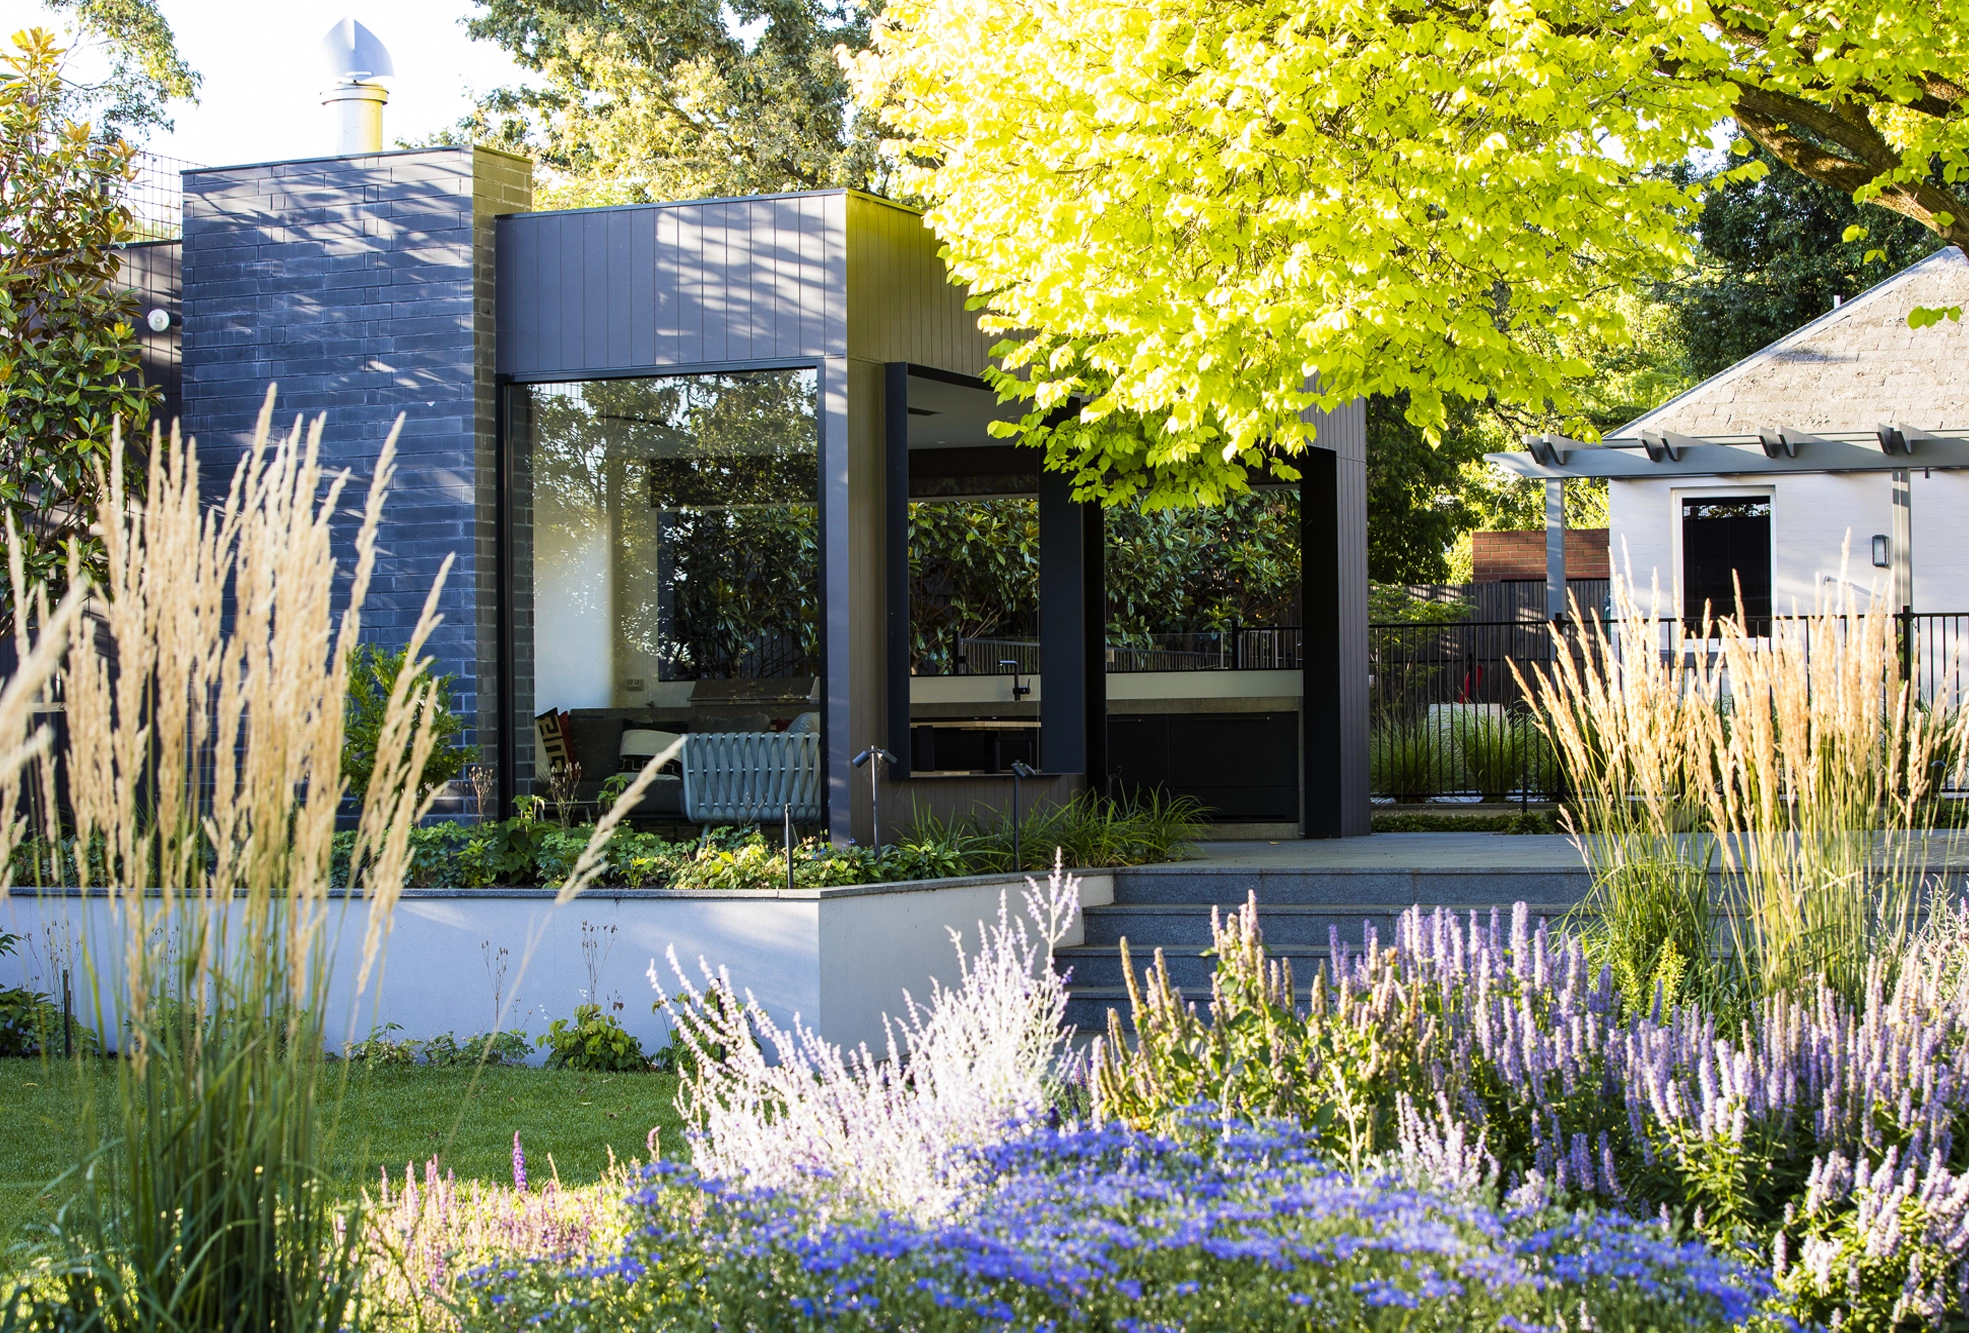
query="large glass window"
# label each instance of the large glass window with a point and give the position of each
(673, 534)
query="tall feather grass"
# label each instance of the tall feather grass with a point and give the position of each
(205, 717)
(1798, 766)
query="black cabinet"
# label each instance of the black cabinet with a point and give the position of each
(1243, 766)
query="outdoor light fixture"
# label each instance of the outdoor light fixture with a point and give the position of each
(1880, 555)
(880, 757)
(160, 319)
(1020, 769)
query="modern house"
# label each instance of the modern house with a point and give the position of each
(1832, 463)
(675, 451)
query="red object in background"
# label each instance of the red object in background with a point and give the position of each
(1511, 557)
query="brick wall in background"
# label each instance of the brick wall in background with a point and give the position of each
(362, 287)
(1499, 557)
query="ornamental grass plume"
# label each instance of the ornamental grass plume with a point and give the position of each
(778, 1108)
(1631, 716)
(1798, 764)
(205, 719)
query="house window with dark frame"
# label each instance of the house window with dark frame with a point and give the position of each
(1726, 555)
(674, 533)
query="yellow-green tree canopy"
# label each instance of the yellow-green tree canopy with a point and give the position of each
(1198, 220)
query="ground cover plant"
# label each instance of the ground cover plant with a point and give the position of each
(1231, 1228)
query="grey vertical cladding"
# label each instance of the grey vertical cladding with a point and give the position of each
(901, 304)
(611, 291)
(358, 286)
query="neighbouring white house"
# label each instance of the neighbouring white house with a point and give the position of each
(1838, 453)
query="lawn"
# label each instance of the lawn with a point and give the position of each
(465, 1117)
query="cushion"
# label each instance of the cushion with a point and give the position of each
(639, 743)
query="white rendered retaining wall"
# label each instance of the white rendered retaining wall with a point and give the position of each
(838, 958)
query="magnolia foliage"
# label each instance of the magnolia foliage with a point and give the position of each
(1198, 221)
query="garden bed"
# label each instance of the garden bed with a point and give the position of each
(459, 959)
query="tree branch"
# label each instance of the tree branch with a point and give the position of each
(1859, 156)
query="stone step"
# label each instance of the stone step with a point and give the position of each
(1190, 966)
(1146, 925)
(1367, 887)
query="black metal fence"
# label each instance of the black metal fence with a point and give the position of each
(1448, 717)
(1244, 648)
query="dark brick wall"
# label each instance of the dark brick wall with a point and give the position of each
(362, 287)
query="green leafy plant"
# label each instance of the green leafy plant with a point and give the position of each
(69, 360)
(594, 1041)
(31, 1022)
(382, 1047)
(373, 677)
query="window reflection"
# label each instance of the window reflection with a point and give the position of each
(674, 533)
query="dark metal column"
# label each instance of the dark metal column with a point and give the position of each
(1094, 608)
(1063, 654)
(895, 446)
(1319, 583)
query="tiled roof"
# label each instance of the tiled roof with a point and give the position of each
(1848, 370)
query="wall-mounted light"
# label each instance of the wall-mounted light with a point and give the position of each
(1881, 559)
(160, 319)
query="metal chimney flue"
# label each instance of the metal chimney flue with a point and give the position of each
(356, 58)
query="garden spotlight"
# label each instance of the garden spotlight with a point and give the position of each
(1020, 769)
(880, 757)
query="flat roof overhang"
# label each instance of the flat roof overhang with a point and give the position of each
(1769, 452)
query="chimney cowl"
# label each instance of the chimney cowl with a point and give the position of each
(356, 57)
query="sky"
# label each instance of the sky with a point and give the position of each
(264, 72)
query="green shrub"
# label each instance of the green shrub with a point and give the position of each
(1529, 822)
(30, 1022)
(372, 676)
(1408, 761)
(1500, 755)
(594, 1042)
(382, 1047)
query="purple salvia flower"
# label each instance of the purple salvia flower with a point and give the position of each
(519, 1164)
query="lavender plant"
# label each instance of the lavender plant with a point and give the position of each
(1115, 1228)
(1825, 1136)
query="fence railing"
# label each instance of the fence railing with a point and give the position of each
(156, 198)
(1245, 648)
(1448, 717)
